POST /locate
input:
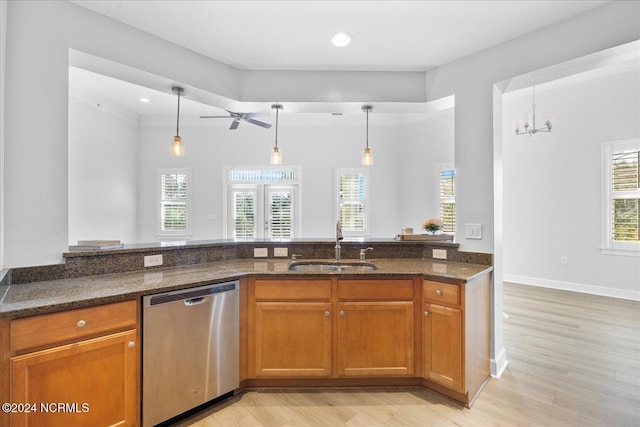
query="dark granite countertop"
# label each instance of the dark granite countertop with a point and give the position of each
(29, 299)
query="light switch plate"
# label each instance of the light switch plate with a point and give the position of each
(153, 260)
(281, 252)
(473, 231)
(260, 252)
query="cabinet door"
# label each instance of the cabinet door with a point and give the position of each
(442, 340)
(375, 338)
(293, 339)
(89, 383)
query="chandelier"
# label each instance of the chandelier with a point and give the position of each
(530, 128)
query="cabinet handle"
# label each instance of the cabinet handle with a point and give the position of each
(81, 323)
(426, 313)
(131, 344)
(327, 313)
(438, 292)
(341, 312)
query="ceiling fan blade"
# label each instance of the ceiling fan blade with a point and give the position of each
(234, 124)
(246, 115)
(214, 117)
(259, 123)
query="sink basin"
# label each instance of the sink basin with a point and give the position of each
(331, 266)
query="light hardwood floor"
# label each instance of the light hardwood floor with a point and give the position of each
(574, 360)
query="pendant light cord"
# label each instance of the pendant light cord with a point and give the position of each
(277, 111)
(367, 128)
(178, 119)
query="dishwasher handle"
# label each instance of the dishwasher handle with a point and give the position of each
(194, 301)
(195, 295)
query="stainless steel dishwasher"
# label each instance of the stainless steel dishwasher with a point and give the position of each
(190, 349)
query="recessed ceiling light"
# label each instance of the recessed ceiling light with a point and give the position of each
(341, 39)
(145, 100)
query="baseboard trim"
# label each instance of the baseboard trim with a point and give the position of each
(498, 364)
(574, 287)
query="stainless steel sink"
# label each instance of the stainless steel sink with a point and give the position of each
(331, 266)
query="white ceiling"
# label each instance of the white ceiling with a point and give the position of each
(295, 35)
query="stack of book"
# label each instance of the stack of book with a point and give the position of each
(96, 245)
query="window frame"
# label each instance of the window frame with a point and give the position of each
(365, 200)
(608, 245)
(439, 199)
(262, 187)
(176, 234)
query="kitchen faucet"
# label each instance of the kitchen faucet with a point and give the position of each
(338, 238)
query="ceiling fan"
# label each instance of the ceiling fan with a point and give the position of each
(237, 117)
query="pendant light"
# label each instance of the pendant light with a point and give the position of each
(276, 157)
(367, 157)
(177, 149)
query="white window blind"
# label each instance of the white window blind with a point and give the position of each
(447, 198)
(174, 203)
(621, 197)
(281, 214)
(244, 206)
(352, 201)
(262, 175)
(625, 195)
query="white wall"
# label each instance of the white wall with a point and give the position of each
(103, 179)
(3, 42)
(552, 186)
(36, 86)
(425, 144)
(319, 145)
(471, 79)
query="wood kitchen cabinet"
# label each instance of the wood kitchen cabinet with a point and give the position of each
(375, 338)
(293, 328)
(442, 335)
(331, 327)
(351, 331)
(456, 337)
(375, 328)
(77, 367)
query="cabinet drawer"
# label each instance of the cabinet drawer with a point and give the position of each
(441, 293)
(292, 290)
(375, 290)
(71, 325)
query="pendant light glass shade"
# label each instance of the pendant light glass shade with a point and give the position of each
(367, 157)
(276, 157)
(177, 148)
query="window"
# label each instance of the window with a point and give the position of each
(621, 196)
(262, 203)
(174, 188)
(352, 201)
(447, 197)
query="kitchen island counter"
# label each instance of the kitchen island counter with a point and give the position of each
(28, 299)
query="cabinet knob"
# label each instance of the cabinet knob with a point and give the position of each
(341, 312)
(327, 313)
(426, 313)
(81, 323)
(438, 292)
(131, 344)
